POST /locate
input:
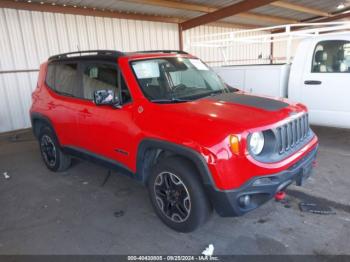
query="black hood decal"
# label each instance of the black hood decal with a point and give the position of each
(249, 100)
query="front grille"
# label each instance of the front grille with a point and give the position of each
(292, 133)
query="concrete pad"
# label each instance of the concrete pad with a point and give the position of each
(71, 213)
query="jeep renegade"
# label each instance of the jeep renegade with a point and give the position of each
(167, 120)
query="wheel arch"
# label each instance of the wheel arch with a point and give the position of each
(38, 121)
(151, 150)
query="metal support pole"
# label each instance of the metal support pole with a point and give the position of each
(271, 51)
(289, 44)
(181, 43)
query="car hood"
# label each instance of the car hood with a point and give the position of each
(238, 111)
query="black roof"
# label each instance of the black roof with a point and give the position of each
(104, 54)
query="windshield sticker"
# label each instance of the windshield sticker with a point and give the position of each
(146, 69)
(198, 64)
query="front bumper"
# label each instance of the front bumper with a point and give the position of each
(260, 189)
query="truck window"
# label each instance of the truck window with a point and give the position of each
(331, 56)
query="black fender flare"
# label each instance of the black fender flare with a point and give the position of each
(195, 157)
(44, 119)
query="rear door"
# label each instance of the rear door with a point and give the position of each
(63, 80)
(104, 130)
(326, 83)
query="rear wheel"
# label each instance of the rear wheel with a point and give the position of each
(177, 194)
(53, 157)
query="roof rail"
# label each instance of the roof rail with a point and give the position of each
(163, 51)
(111, 53)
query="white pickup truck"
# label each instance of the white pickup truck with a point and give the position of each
(319, 77)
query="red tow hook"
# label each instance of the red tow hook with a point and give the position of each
(279, 196)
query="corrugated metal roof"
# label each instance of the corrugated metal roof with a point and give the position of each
(131, 7)
(216, 3)
(127, 7)
(282, 12)
(242, 20)
(329, 6)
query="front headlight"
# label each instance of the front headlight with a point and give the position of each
(256, 142)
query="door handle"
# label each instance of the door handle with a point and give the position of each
(85, 111)
(312, 82)
(51, 105)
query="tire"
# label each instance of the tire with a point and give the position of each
(177, 194)
(52, 155)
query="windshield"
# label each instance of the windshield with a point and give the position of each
(177, 79)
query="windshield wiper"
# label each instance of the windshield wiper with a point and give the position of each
(219, 92)
(172, 100)
(214, 93)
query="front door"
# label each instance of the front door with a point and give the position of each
(105, 130)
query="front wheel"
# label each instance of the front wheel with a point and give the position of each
(177, 194)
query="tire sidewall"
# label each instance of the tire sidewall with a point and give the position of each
(199, 204)
(47, 131)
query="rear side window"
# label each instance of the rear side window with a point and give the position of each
(331, 56)
(50, 76)
(66, 79)
(63, 78)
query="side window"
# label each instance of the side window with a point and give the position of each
(50, 76)
(66, 79)
(331, 56)
(102, 77)
(99, 77)
(126, 97)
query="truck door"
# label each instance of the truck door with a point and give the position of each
(326, 83)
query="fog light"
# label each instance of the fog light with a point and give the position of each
(244, 201)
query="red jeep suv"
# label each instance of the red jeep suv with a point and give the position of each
(167, 120)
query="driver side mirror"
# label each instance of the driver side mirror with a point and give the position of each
(106, 97)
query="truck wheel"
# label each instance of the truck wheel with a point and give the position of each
(53, 157)
(177, 194)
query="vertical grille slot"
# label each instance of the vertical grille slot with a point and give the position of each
(306, 127)
(298, 130)
(292, 133)
(289, 136)
(283, 139)
(302, 127)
